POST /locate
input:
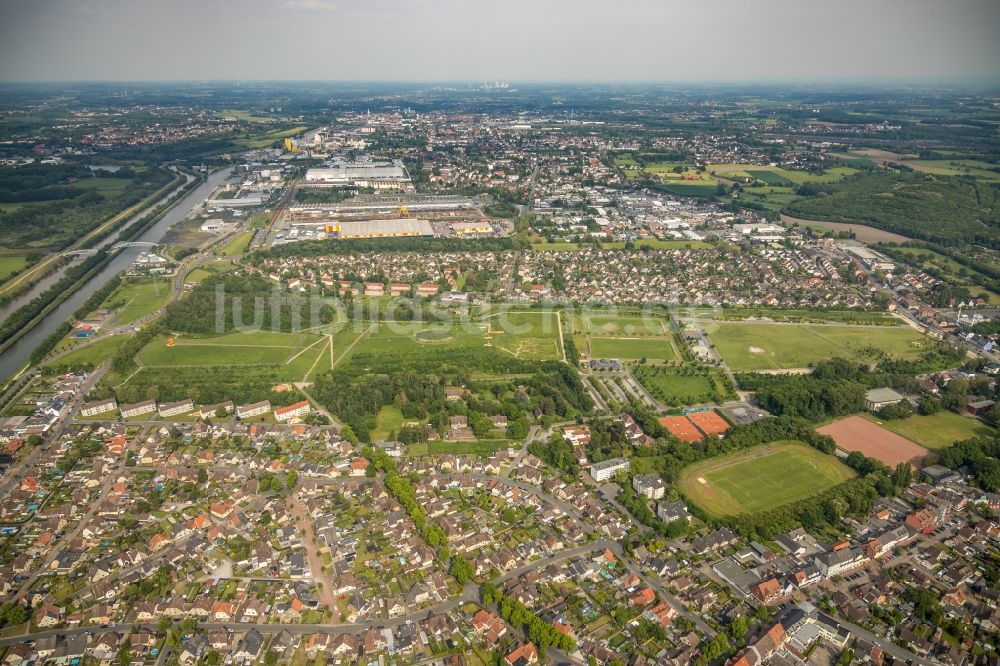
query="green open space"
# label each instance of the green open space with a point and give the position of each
(90, 354)
(12, 261)
(652, 348)
(935, 431)
(526, 335)
(746, 346)
(678, 388)
(760, 478)
(259, 348)
(136, 299)
(388, 421)
(237, 245)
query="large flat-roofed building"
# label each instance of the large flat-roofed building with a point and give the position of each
(380, 175)
(602, 471)
(402, 227)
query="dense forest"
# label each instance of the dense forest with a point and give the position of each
(912, 204)
(64, 213)
(247, 302)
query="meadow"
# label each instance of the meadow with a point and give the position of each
(936, 431)
(761, 478)
(12, 262)
(134, 299)
(678, 389)
(258, 348)
(746, 346)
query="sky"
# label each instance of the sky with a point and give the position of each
(808, 41)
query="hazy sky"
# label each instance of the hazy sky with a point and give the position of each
(516, 40)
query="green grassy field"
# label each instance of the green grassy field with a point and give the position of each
(11, 263)
(137, 299)
(759, 346)
(615, 325)
(237, 245)
(260, 348)
(937, 431)
(677, 389)
(761, 478)
(388, 421)
(526, 335)
(657, 349)
(92, 354)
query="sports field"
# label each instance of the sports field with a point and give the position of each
(856, 433)
(761, 478)
(623, 337)
(747, 346)
(938, 430)
(656, 349)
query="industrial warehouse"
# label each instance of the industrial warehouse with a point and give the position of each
(376, 175)
(380, 228)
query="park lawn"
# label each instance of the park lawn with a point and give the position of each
(260, 348)
(936, 431)
(677, 389)
(140, 299)
(389, 420)
(761, 478)
(747, 346)
(92, 354)
(653, 348)
(774, 175)
(12, 263)
(413, 338)
(526, 335)
(237, 246)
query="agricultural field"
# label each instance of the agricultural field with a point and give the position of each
(761, 478)
(746, 346)
(936, 431)
(772, 175)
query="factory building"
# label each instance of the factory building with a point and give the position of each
(380, 175)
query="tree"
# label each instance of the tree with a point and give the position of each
(461, 569)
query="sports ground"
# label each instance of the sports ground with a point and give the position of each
(761, 478)
(856, 433)
(749, 346)
(624, 337)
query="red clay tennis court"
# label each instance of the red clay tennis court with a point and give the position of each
(858, 434)
(681, 428)
(709, 423)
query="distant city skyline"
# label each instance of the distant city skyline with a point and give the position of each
(859, 41)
